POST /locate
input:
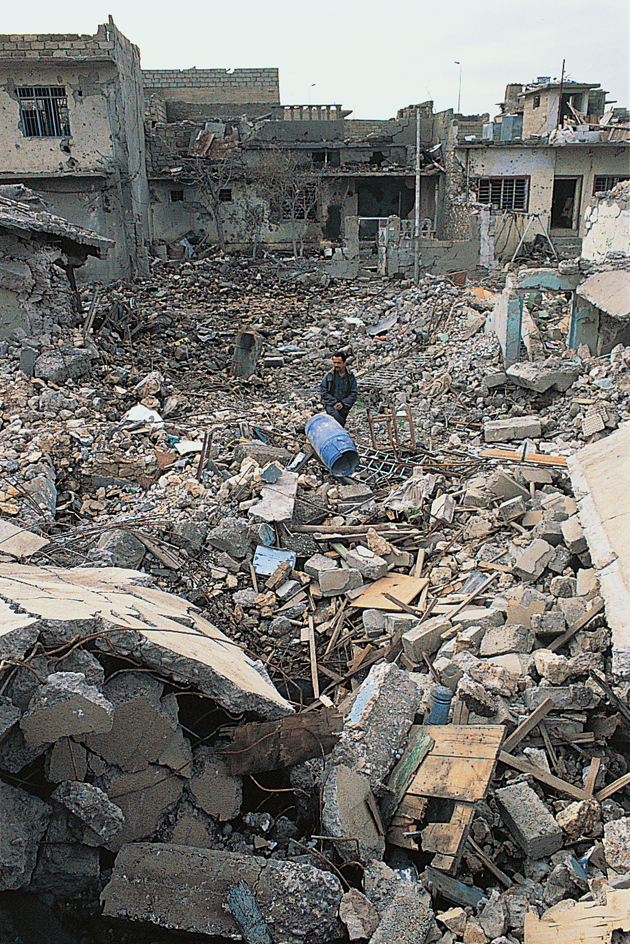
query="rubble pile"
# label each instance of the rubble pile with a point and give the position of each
(241, 698)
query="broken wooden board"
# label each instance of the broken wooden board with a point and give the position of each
(418, 746)
(582, 922)
(461, 763)
(447, 840)
(273, 745)
(532, 458)
(401, 586)
(458, 766)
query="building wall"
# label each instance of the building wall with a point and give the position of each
(96, 177)
(205, 93)
(542, 165)
(607, 226)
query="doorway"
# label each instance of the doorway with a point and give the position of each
(565, 203)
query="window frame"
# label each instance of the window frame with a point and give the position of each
(499, 185)
(608, 177)
(43, 111)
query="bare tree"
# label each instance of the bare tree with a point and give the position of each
(290, 187)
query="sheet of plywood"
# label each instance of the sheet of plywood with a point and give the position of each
(461, 762)
(582, 922)
(401, 586)
(447, 838)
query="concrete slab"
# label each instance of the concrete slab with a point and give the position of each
(186, 889)
(160, 630)
(600, 474)
(24, 822)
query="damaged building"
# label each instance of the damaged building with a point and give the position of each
(268, 679)
(71, 126)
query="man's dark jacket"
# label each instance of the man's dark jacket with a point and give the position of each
(335, 388)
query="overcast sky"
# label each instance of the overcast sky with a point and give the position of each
(371, 57)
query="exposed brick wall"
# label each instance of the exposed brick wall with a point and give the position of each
(56, 45)
(213, 79)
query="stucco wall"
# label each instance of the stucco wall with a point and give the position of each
(607, 226)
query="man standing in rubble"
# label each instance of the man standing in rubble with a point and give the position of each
(338, 389)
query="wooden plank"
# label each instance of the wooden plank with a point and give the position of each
(461, 821)
(453, 778)
(526, 726)
(574, 628)
(613, 788)
(313, 656)
(465, 740)
(582, 922)
(536, 458)
(417, 568)
(591, 777)
(273, 745)
(413, 807)
(396, 836)
(418, 746)
(402, 586)
(489, 864)
(447, 837)
(561, 786)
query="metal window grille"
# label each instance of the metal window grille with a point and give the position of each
(44, 111)
(604, 183)
(504, 193)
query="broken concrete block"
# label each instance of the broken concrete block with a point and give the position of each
(347, 817)
(529, 821)
(9, 715)
(512, 509)
(359, 915)
(454, 919)
(65, 869)
(339, 580)
(511, 637)
(617, 844)
(540, 377)
(118, 548)
(193, 827)
(555, 668)
(232, 535)
(578, 819)
(316, 565)
(552, 623)
(59, 366)
(573, 535)
(65, 707)
(494, 917)
(482, 616)
(443, 507)
(561, 560)
(378, 723)
(277, 501)
(68, 761)
(427, 637)
(399, 622)
(476, 698)
(587, 582)
(533, 559)
(374, 621)
(562, 586)
(24, 822)
(567, 697)
(407, 920)
(505, 487)
(218, 792)
(145, 726)
(369, 564)
(92, 807)
(476, 497)
(185, 889)
(261, 452)
(160, 790)
(513, 427)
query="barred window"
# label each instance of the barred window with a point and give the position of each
(604, 183)
(301, 206)
(44, 111)
(504, 193)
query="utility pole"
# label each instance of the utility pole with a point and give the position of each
(459, 93)
(416, 227)
(559, 124)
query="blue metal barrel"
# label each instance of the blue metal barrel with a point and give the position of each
(333, 444)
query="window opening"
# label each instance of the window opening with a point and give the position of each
(504, 193)
(603, 183)
(177, 196)
(44, 111)
(225, 195)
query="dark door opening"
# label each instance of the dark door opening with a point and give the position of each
(333, 223)
(564, 203)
